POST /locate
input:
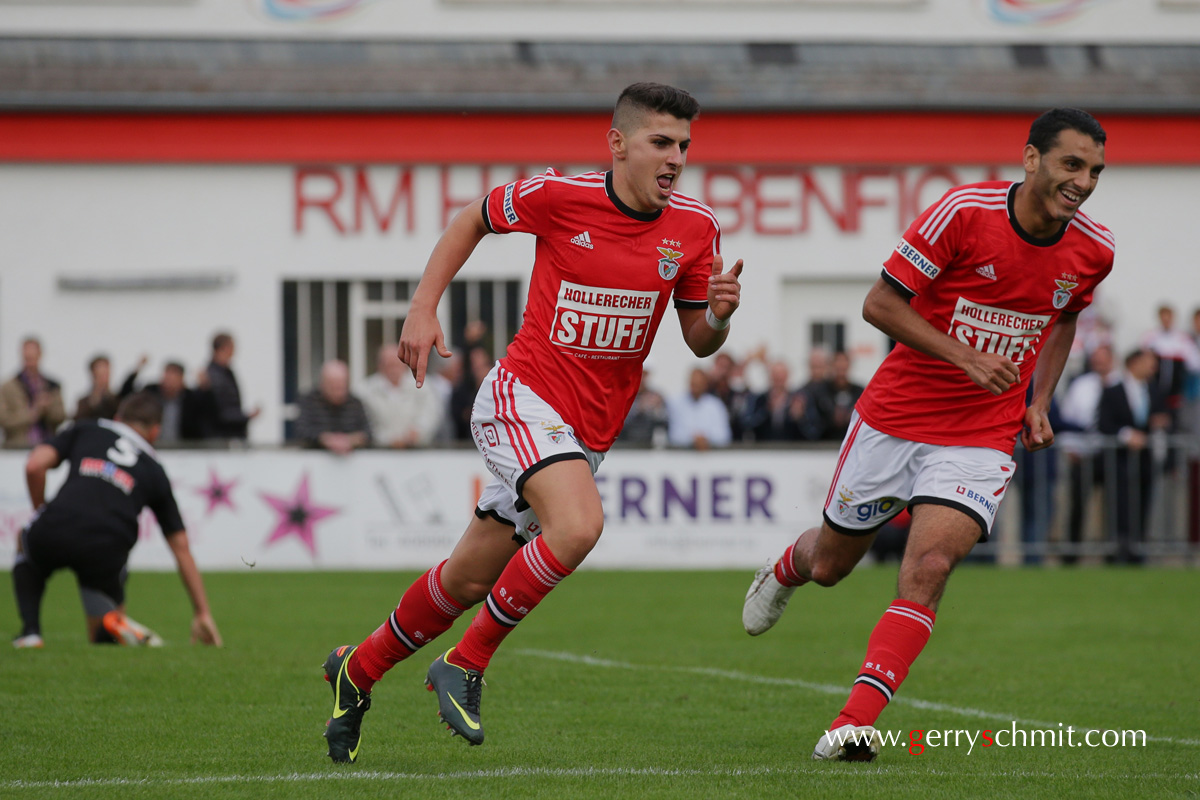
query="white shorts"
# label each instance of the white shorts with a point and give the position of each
(518, 434)
(879, 475)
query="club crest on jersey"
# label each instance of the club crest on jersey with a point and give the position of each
(668, 265)
(555, 433)
(1063, 295)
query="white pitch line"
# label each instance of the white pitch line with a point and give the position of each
(822, 688)
(579, 772)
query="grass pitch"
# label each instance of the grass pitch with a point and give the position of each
(621, 684)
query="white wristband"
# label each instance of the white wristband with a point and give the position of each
(713, 322)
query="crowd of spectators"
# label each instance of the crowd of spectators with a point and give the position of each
(734, 400)
(720, 407)
(1115, 421)
(32, 406)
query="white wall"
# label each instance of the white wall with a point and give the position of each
(888, 21)
(81, 220)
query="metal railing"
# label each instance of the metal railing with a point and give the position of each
(1094, 498)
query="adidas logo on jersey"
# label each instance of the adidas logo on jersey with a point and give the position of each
(583, 240)
(988, 272)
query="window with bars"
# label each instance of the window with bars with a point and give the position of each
(829, 334)
(350, 319)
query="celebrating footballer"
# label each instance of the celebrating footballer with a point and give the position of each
(612, 249)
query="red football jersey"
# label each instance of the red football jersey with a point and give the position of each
(974, 273)
(601, 278)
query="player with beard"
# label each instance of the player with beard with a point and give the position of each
(981, 296)
(611, 249)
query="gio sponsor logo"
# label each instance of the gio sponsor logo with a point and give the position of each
(914, 257)
(1062, 295)
(668, 265)
(876, 508)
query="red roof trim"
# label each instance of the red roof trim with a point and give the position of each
(867, 138)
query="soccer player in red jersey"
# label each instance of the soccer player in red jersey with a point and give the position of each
(612, 248)
(981, 296)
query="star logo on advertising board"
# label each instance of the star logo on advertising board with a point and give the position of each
(218, 493)
(297, 516)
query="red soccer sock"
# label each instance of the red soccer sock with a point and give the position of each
(894, 645)
(425, 612)
(785, 568)
(529, 577)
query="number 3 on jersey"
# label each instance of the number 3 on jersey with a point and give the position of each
(123, 452)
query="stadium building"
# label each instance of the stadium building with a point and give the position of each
(281, 170)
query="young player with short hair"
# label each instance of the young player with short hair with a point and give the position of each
(981, 295)
(611, 249)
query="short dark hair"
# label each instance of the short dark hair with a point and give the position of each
(1043, 133)
(140, 408)
(1138, 353)
(220, 340)
(174, 365)
(640, 98)
(96, 359)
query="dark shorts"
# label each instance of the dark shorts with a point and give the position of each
(97, 557)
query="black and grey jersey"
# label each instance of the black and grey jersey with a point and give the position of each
(114, 474)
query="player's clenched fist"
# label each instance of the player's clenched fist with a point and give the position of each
(993, 372)
(724, 289)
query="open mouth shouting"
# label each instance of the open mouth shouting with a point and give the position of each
(666, 183)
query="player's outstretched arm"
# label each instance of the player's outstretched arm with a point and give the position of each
(204, 628)
(706, 330)
(1037, 433)
(422, 331)
(890, 312)
(42, 459)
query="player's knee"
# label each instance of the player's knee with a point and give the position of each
(585, 531)
(932, 568)
(467, 592)
(572, 536)
(828, 571)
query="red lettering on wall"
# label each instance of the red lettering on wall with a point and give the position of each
(856, 199)
(810, 189)
(916, 201)
(724, 190)
(325, 177)
(452, 204)
(403, 191)
(766, 200)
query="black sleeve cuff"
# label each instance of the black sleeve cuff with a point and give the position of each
(487, 222)
(908, 293)
(680, 303)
